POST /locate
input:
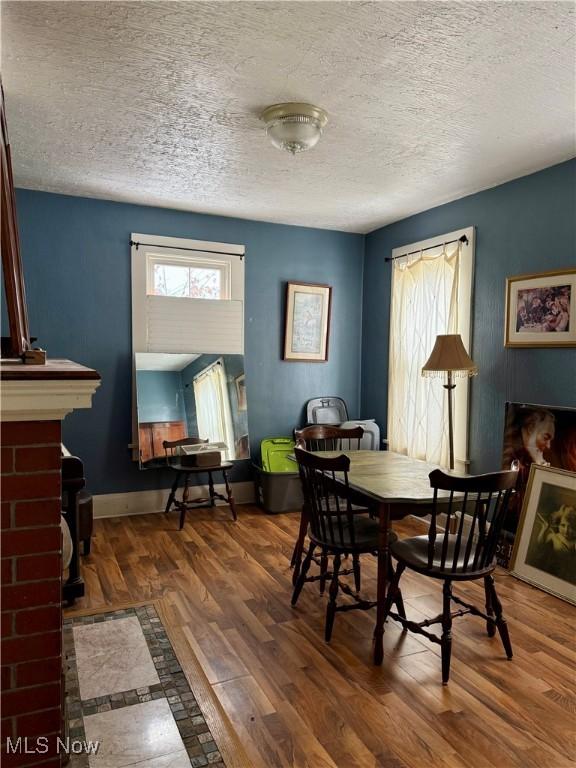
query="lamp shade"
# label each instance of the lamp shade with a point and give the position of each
(449, 354)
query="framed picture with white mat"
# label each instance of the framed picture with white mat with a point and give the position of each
(545, 549)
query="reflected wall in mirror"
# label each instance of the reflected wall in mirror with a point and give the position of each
(191, 396)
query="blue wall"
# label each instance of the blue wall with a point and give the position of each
(76, 258)
(527, 225)
(77, 268)
(160, 396)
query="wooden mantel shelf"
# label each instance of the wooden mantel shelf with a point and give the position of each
(11, 370)
(45, 392)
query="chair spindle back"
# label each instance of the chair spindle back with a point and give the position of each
(327, 497)
(487, 496)
(322, 437)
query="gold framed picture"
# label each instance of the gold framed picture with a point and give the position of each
(541, 310)
(545, 549)
(307, 322)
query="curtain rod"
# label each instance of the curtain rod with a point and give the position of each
(204, 372)
(178, 248)
(462, 239)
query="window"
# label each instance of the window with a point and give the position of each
(431, 295)
(192, 277)
(187, 295)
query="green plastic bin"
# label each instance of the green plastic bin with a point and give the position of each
(275, 452)
(277, 480)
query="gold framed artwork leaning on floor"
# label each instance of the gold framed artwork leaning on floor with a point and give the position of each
(545, 549)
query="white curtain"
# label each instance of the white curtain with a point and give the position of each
(213, 412)
(424, 304)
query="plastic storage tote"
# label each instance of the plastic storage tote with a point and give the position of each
(371, 437)
(277, 481)
(275, 452)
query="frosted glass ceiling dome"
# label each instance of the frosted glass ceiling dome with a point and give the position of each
(295, 126)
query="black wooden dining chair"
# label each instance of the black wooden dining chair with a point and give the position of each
(336, 528)
(475, 509)
(184, 471)
(323, 437)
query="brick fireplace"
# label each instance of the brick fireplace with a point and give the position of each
(31, 554)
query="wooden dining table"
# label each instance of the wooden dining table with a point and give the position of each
(396, 486)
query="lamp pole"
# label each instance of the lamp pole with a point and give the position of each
(449, 387)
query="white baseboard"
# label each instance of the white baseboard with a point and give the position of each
(150, 502)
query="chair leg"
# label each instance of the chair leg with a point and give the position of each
(501, 624)
(296, 561)
(184, 501)
(446, 641)
(490, 624)
(396, 598)
(229, 496)
(393, 592)
(302, 576)
(323, 571)
(356, 569)
(172, 495)
(86, 546)
(331, 609)
(211, 489)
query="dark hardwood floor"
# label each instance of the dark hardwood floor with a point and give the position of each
(297, 701)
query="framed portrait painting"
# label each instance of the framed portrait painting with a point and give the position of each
(541, 310)
(307, 322)
(545, 549)
(544, 435)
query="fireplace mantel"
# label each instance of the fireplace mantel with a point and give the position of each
(34, 399)
(45, 392)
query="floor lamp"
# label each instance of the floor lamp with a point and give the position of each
(449, 356)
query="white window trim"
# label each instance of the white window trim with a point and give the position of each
(466, 302)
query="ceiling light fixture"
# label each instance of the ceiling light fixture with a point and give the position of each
(295, 127)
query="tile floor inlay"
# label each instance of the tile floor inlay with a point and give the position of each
(112, 656)
(157, 725)
(133, 734)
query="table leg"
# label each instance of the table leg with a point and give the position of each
(383, 555)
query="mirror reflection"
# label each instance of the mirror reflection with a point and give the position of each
(191, 396)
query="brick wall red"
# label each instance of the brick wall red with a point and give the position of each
(31, 605)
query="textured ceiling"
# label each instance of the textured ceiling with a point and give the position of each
(158, 103)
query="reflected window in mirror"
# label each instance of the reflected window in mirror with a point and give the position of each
(191, 396)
